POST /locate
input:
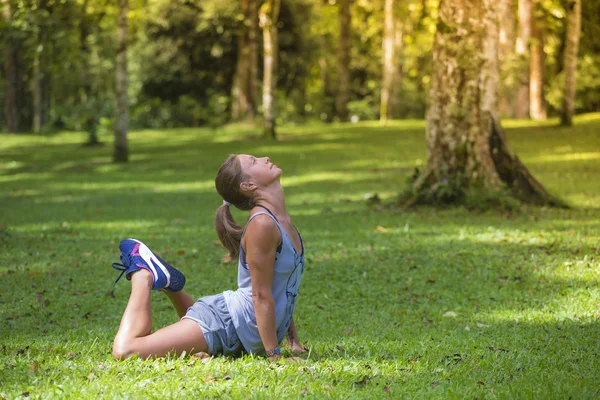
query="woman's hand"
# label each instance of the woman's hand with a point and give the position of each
(297, 349)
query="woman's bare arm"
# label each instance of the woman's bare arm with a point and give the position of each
(261, 240)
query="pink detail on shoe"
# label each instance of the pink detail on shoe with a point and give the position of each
(135, 251)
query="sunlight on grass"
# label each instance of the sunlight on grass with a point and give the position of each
(565, 157)
(423, 303)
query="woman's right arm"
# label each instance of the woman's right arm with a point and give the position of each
(261, 240)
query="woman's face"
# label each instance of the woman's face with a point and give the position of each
(261, 171)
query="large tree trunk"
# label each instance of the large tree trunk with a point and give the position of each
(244, 101)
(466, 145)
(537, 103)
(268, 17)
(388, 70)
(343, 62)
(570, 63)
(522, 50)
(11, 97)
(121, 151)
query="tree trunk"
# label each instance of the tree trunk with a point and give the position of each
(37, 93)
(11, 99)
(244, 103)
(388, 70)
(343, 62)
(121, 151)
(537, 103)
(268, 17)
(466, 145)
(253, 95)
(522, 50)
(396, 91)
(507, 47)
(570, 63)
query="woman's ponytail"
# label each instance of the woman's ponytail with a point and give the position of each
(228, 181)
(230, 233)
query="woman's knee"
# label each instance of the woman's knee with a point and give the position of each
(122, 350)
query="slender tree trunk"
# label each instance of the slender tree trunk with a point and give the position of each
(388, 70)
(466, 145)
(121, 151)
(507, 47)
(343, 62)
(37, 93)
(570, 63)
(537, 103)
(38, 72)
(243, 98)
(522, 50)
(507, 27)
(253, 36)
(268, 17)
(395, 94)
(11, 99)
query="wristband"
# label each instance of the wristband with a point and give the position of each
(276, 350)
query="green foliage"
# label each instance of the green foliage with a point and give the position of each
(365, 109)
(184, 52)
(479, 198)
(427, 304)
(588, 86)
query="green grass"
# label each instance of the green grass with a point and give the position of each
(432, 304)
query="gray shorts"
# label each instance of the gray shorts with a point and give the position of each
(212, 314)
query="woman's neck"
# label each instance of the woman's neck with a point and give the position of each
(273, 199)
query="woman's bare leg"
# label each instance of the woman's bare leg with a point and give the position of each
(134, 335)
(181, 301)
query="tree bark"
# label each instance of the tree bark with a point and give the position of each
(507, 27)
(570, 63)
(388, 69)
(121, 151)
(11, 99)
(268, 17)
(466, 145)
(522, 50)
(244, 99)
(507, 48)
(398, 76)
(253, 95)
(36, 89)
(537, 103)
(343, 62)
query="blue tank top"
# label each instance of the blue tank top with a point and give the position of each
(288, 270)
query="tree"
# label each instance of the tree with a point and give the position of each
(398, 76)
(506, 55)
(343, 62)
(467, 148)
(121, 152)
(11, 73)
(537, 103)
(570, 63)
(244, 91)
(88, 99)
(268, 17)
(522, 50)
(388, 69)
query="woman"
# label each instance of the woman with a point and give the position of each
(254, 318)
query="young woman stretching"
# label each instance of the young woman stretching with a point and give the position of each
(259, 314)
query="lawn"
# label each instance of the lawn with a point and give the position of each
(425, 303)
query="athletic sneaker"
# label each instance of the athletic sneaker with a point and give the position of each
(135, 255)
